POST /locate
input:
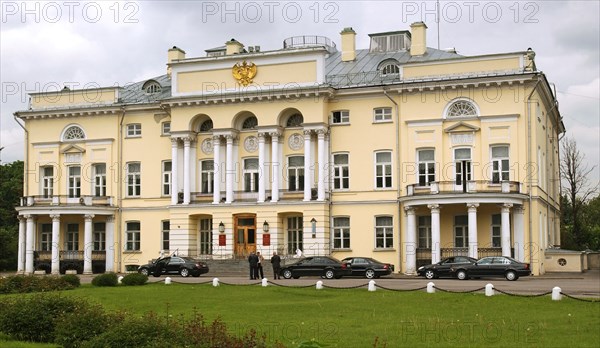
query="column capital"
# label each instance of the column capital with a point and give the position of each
(275, 135)
(518, 209)
(187, 141)
(29, 217)
(321, 132)
(110, 218)
(21, 218)
(472, 207)
(231, 138)
(307, 133)
(216, 138)
(55, 217)
(506, 207)
(174, 141)
(409, 210)
(261, 136)
(435, 208)
(88, 217)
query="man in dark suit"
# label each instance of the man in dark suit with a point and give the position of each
(253, 261)
(276, 262)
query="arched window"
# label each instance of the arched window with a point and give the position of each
(389, 67)
(73, 133)
(152, 87)
(295, 120)
(206, 126)
(250, 123)
(461, 108)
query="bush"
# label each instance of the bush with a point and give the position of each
(22, 284)
(72, 279)
(106, 279)
(134, 279)
(72, 329)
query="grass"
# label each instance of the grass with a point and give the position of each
(358, 318)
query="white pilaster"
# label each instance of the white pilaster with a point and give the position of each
(186, 170)
(410, 247)
(275, 166)
(174, 174)
(435, 233)
(472, 209)
(327, 167)
(55, 268)
(88, 244)
(229, 170)
(217, 169)
(519, 221)
(505, 230)
(21, 246)
(307, 166)
(193, 165)
(261, 167)
(322, 165)
(110, 244)
(29, 244)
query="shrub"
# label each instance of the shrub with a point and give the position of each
(134, 279)
(106, 279)
(72, 279)
(22, 284)
(72, 329)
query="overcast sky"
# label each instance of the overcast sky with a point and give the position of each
(46, 45)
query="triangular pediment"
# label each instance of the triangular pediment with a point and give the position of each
(461, 127)
(73, 149)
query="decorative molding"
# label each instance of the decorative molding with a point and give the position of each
(462, 138)
(207, 146)
(251, 144)
(296, 141)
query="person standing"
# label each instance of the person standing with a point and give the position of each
(253, 261)
(276, 262)
(259, 268)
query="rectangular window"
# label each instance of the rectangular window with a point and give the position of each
(133, 236)
(207, 176)
(294, 234)
(384, 232)
(74, 182)
(461, 231)
(500, 170)
(341, 172)
(496, 231)
(340, 117)
(296, 173)
(47, 182)
(206, 237)
(166, 128)
(134, 130)
(383, 170)
(46, 237)
(134, 181)
(166, 178)
(165, 232)
(382, 114)
(462, 162)
(426, 163)
(72, 241)
(424, 232)
(251, 175)
(99, 179)
(341, 233)
(99, 236)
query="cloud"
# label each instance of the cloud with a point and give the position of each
(13, 142)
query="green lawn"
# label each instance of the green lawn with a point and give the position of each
(357, 317)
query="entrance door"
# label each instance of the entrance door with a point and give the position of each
(245, 234)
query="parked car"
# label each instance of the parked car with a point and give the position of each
(184, 266)
(368, 267)
(442, 268)
(493, 266)
(326, 266)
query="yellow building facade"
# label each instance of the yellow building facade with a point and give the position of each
(399, 152)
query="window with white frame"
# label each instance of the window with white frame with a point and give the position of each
(251, 175)
(500, 166)
(134, 130)
(295, 173)
(382, 114)
(384, 232)
(206, 126)
(166, 178)
(207, 176)
(341, 232)
(461, 108)
(461, 231)
(426, 164)
(134, 180)
(340, 117)
(99, 172)
(165, 234)
(389, 68)
(424, 231)
(462, 165)
(383, 169)
(73, 133)
(99, 236)
(295, 120)
(74, 182)
(294, 234)
(132, 235)
(72, 240)
(250, 123)
(166, 128)
(46, 237)
(341, 172)
(496, 230)
(152, 88)
(47, 181)
(206, 236)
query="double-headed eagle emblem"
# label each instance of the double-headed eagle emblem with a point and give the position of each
(244, 73)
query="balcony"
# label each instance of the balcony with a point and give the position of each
(65, 200)
(473, 186)
(69, 260)
(309, 41)
(248, 197)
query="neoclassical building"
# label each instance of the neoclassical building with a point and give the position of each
(398, 151)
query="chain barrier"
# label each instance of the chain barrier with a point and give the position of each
(390, 289)
(345, 287)
(579, 299)
(291, 286)
(459, 292)
(523, 295)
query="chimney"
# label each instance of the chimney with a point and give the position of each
(418, 46)
(233, 47)
(174, 53)
(348, 44)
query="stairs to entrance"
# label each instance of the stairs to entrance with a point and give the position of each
(228, 268)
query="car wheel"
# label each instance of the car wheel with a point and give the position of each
(429, 274)
(184, 272)
(462, 275)
(511, 275)
(329, 274)
(370, 274)
(287, 274)
(144, 271)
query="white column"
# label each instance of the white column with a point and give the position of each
(307, 166)
(55, 243)
(505, 230)
(21, 246)
(472, 209)
(229, 170)
(186, 170)
(435, 233)
(193, 165)
(327, 177)
(29, 244)
(217, 169)
(321, 182)
(88, 244)
(174, 174)
(110, 244)
(261, 167)
(519, 221)
(410, 247)
(275, 167)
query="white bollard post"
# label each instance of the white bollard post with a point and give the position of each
(265, 282)
(372, 285)
(215, 282)
(120, 279)
(430, 288)
(319, 285)
(167, 280)
(556, 295)
(489, 290)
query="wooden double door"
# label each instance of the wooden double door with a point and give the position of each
(245, 234)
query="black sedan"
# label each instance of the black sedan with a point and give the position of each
(442, 268)
(325, 266)
(184, 266)
(493, 266)
(368, 267)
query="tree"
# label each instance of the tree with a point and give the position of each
(11, 190)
